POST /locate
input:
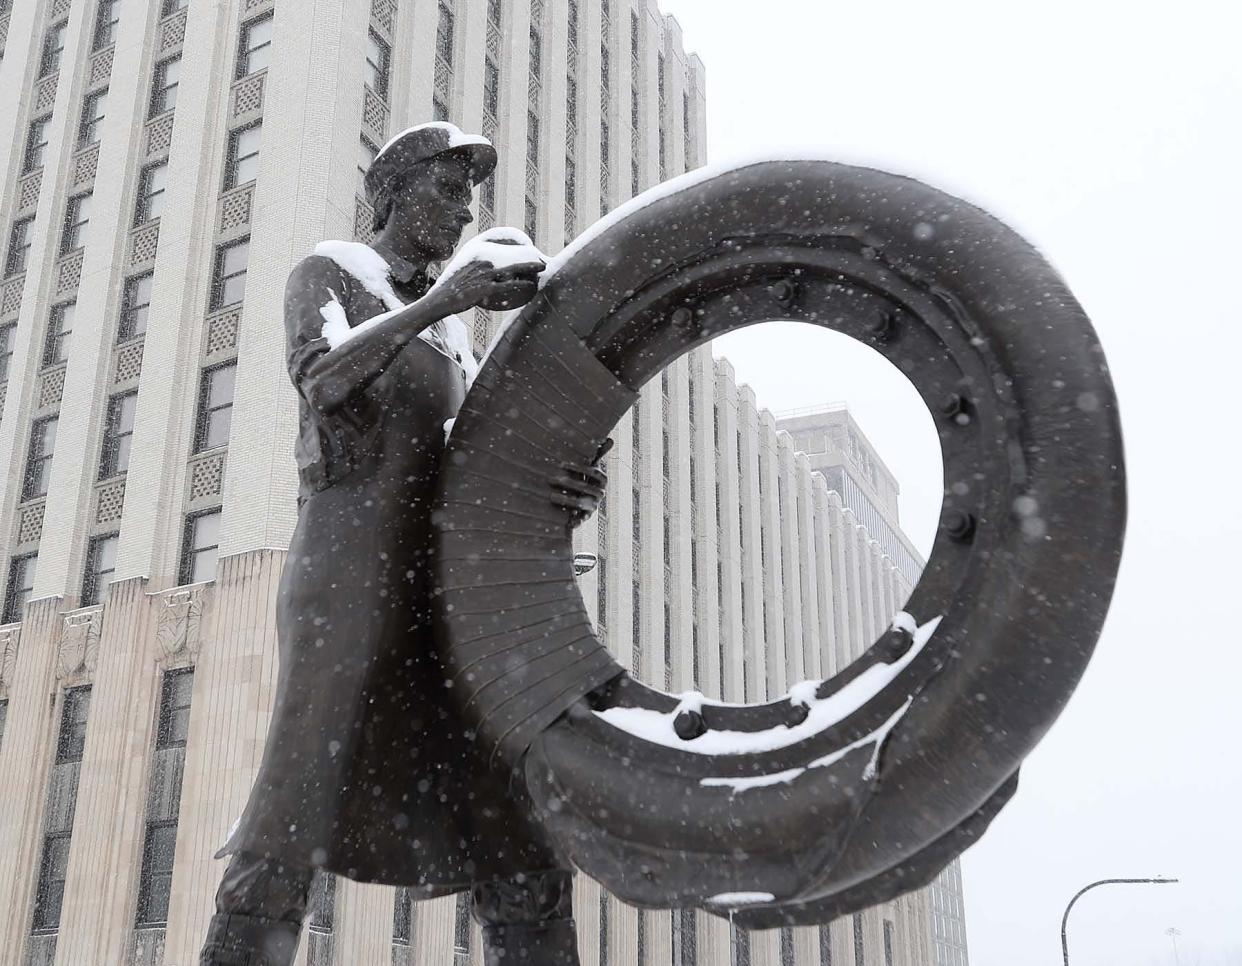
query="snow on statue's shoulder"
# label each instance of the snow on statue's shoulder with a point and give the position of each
(365, 264)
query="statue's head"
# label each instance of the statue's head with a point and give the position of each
(420, 186)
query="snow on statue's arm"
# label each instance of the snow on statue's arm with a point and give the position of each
(330, 362)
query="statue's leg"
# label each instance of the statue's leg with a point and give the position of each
(259, 910)
(527, 919)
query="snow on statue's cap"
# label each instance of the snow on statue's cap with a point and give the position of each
(423, 142)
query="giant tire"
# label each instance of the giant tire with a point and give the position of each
(1020, 575)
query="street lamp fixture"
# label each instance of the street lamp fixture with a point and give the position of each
(1159, 880)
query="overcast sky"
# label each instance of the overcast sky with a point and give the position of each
(1109, 134)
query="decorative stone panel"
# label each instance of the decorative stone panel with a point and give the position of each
(9, 637)
(248, 97)
(109, 501)
(493, 42)
(374, 117)
(235, 208)
(251, 7)
(206, 478)
(101, 68)
(146, 946)
(68, 272)
(384, 14)
(443, 79)
(85, 164)
(489, 125)
(532, 178)
(222, 333)
(159, 135)
(363, 215)
(28, 192)
(11, 296)
(4, 391)
(178, 622)
(4, 29)
(30, 522)
(51, 387)
(143, 244)
(128, 362)
(60, 8)
(45, 95)
(78, 647)
(172, 32)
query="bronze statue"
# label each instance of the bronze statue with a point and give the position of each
(368, 771)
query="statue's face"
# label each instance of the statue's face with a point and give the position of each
(432, 206)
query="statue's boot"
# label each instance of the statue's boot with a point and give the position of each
(237, 940)
(260, 906)
(527, 920)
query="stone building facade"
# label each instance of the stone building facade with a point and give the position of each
(165, 163)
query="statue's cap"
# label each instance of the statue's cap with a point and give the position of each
(423, 142)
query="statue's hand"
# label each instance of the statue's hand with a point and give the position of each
(579, 489)
(497, 269)
(481, 283)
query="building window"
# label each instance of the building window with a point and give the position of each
(491, 87)
(536, 52)
(573, 21)
(107, 18)
(255, 47)
(532, 216)
(118, 434)
(379, 58)
(366, 153)
(93, 107)
(461, 931)
(888, 942)
(228, 280)
(59, 331)
(100, 565)
(825, 946)
(173, 6)
(19, 587)
(77, 217)
(402, 916)
(439, 110)
(50, 893)
(53, 49)
(36, 144)
(494, 12)
(151, 187)
(323, 902)
(859, 952)
(200, 542)
(215, 407)
(6, 349)
(39, 460)
(164, 83)
(159, 849)
(135, 306)
(571, 181)
(21, 237)
(444, 34)
(242, 164)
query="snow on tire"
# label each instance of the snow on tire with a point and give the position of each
(851, 790)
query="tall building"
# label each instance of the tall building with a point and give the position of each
(165, 163)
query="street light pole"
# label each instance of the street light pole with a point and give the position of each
(1078, 895)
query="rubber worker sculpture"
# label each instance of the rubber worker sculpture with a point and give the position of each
(368, 772)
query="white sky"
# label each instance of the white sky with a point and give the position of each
(1108, 133)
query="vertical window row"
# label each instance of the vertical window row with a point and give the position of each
(533, 114)
(62, 795)
(446, 29)
(164, 799)
(605, 100)
(636, 127)
(571, 125)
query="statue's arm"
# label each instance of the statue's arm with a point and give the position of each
(329, 377)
